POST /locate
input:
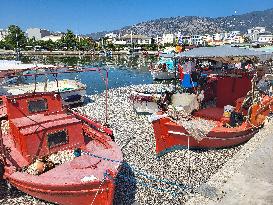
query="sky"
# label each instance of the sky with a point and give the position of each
(87, 16)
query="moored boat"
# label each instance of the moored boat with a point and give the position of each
(238, 111)
(56, 155)
(71, 91)
(164, 68)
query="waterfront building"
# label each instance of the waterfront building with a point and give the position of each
(37, 33)
(265, 37)
(111, 35)
(52, 38)
(119, 42)
(197, 40)
(136, 39)
(256, 30)
(254, 33)
(168, 38)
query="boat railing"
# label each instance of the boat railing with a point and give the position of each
(98, 126)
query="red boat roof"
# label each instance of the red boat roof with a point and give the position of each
(34, 123)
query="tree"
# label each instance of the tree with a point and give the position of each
(69, 40)
(2, 44)
(15, 38)
(85, 44)
(247, 39)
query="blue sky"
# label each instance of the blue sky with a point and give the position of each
(86, 16)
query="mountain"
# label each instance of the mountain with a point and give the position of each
(198, 25)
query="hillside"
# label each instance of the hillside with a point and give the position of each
(198, 25)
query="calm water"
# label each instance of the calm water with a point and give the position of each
(123, 70)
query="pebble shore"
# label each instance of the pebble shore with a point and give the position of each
(134, 134)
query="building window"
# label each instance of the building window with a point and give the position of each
(57, 138)
(37, 105)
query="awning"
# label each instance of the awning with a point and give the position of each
(222, 51)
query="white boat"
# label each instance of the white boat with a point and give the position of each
(162, 75)
(164, 68)
(71, 91)
(145, 103)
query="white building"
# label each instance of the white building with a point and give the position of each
(136, 39)
(235, 33)
(51, 37)
(217, 36)
(111, 35)
(3, 33)
(265, 37)
(37, 33)
(197, 40)
(256, 30)
(168, 38)
(119, 42)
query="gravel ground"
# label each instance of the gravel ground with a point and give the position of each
(139, 180)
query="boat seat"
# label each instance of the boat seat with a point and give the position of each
(211, 113)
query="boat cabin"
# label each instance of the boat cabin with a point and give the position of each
(39, 125)
(225, 90)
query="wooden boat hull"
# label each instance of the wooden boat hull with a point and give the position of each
(170, 136)
(74, 194)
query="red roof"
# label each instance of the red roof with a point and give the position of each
(34, 123)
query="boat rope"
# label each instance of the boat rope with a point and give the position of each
(142, 173)
(189, 160)
(104, 177)
(133, 181)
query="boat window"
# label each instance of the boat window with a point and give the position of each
(1, 101)
(57, 138)
(37, 105)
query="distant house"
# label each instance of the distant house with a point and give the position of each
(37, 33)
(52, 38)
(119, 42)
(111, 35)
(197, 40)
(265, 37)
(168, 38)
(254, 33)
(256, 30)
(136, 39)
(3, 33)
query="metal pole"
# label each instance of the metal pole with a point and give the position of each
(175, 68)
(106, 97)
(35, 76)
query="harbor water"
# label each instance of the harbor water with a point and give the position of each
(122, 71)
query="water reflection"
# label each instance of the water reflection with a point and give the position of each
(139, 62)
(124, 70)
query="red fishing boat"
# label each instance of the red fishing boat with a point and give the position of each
(35, 129)
(209, 127)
